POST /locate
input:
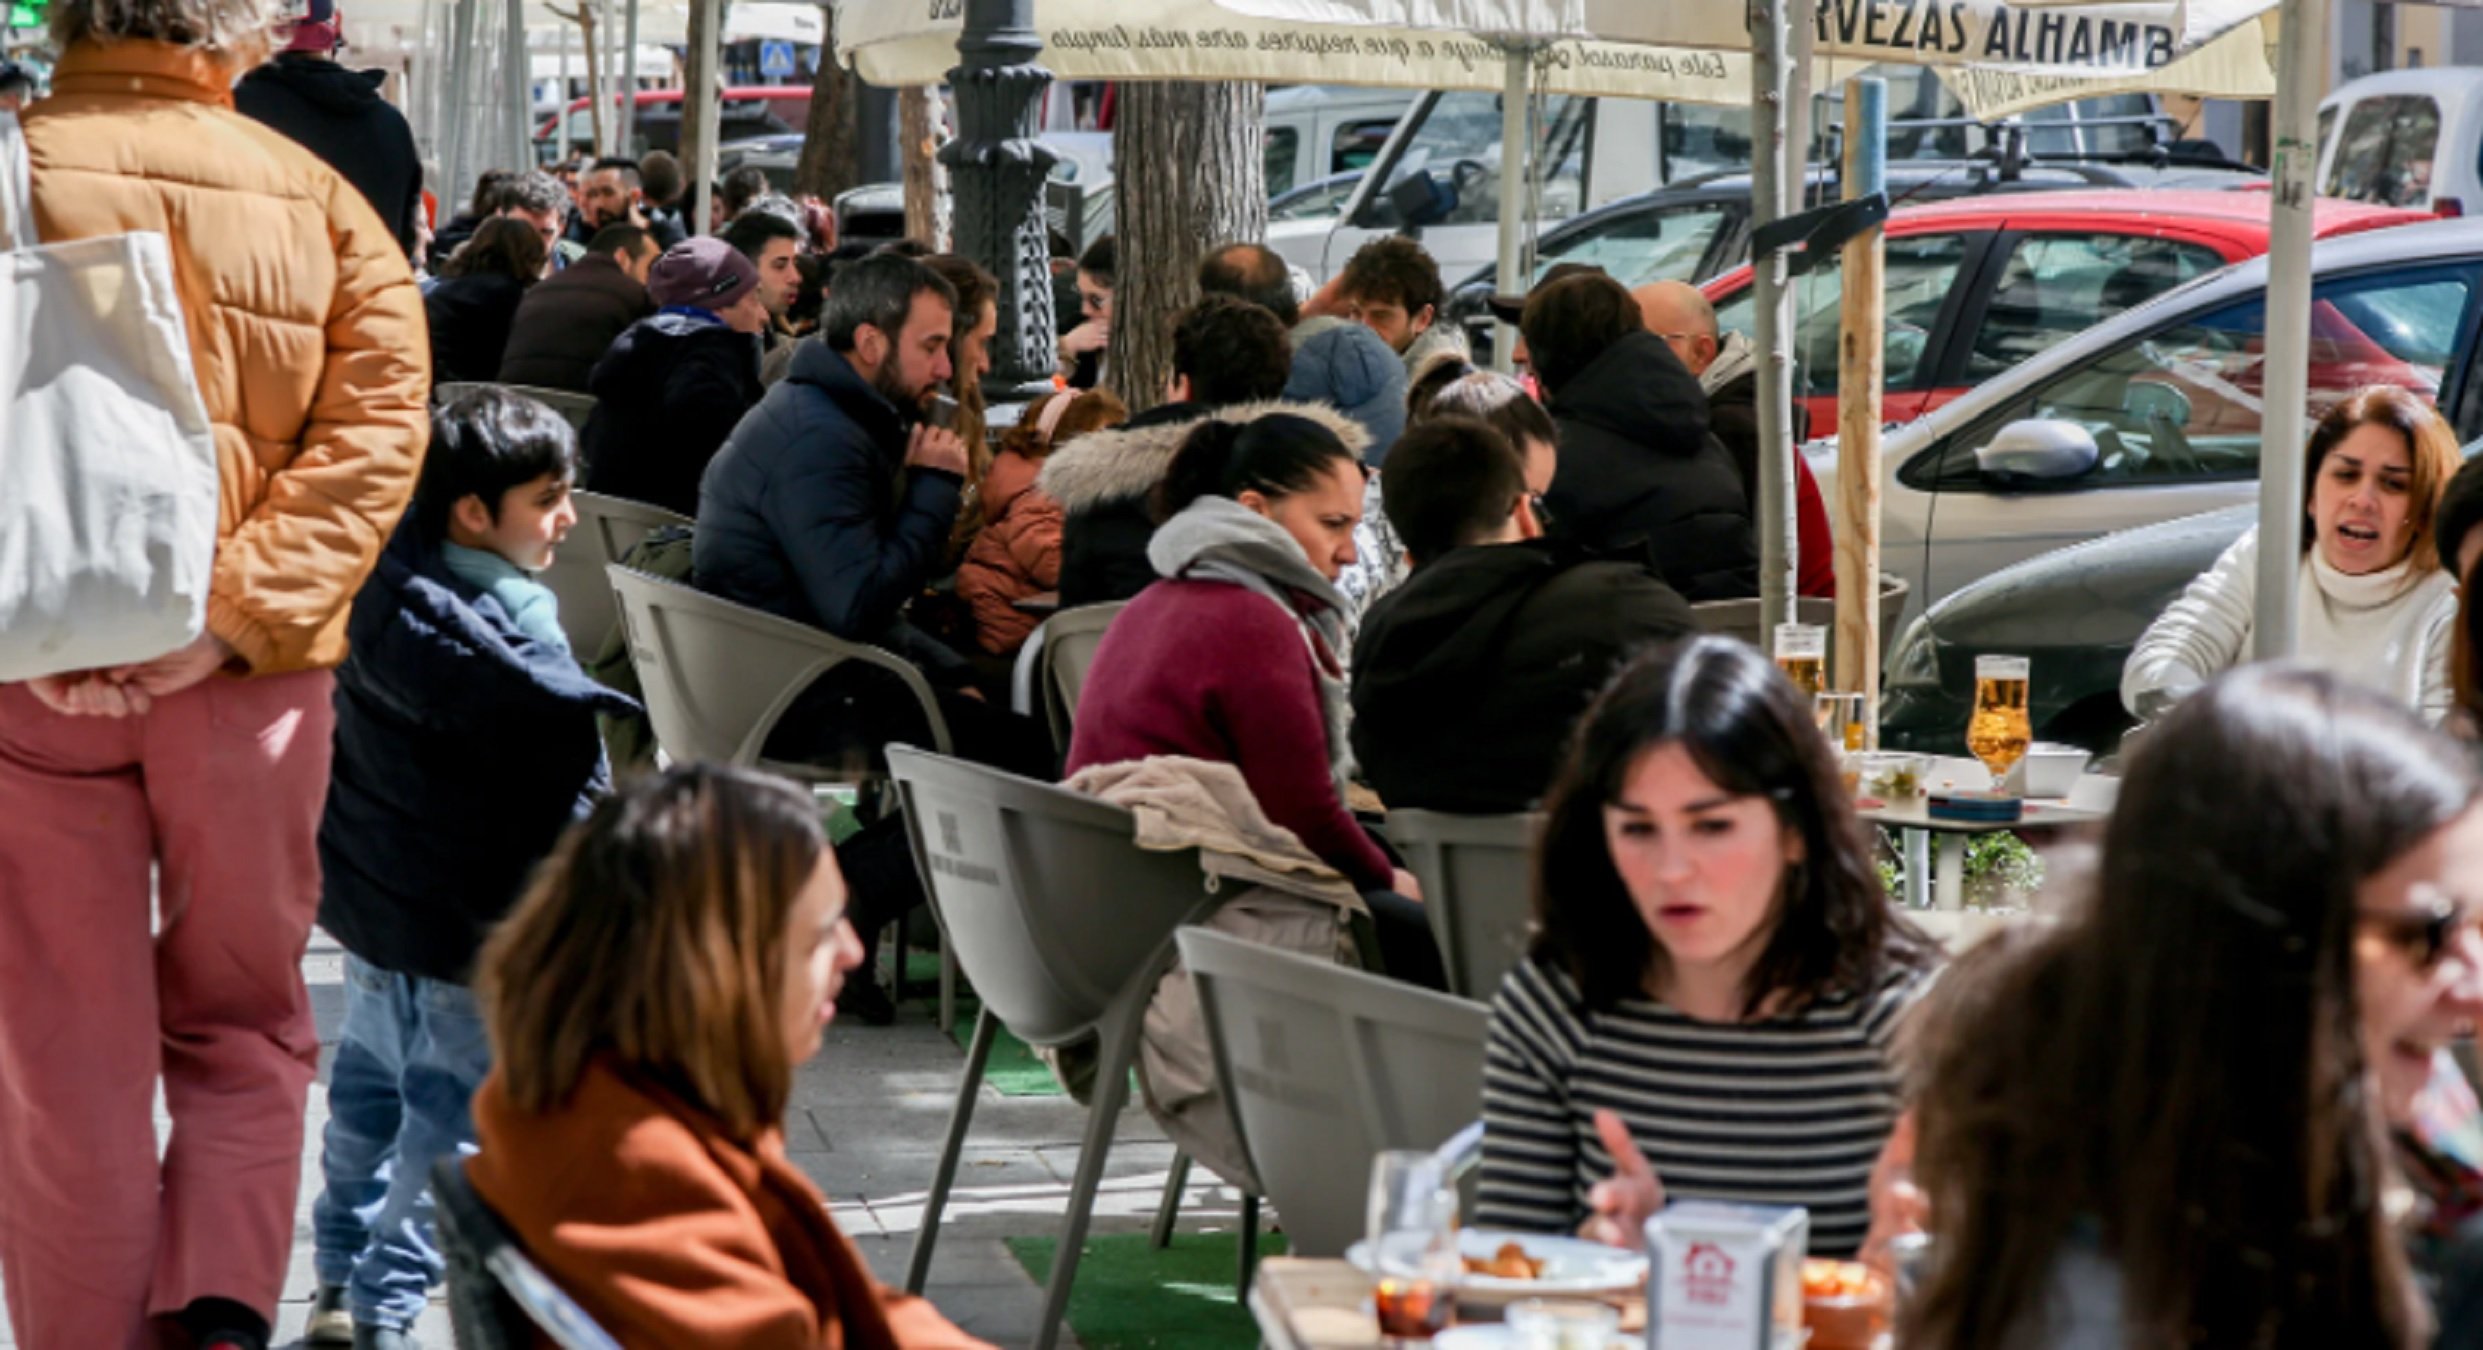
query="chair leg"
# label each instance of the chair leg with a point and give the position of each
(918, 1265)
(948, 982)
(1169, 1209)
(1120, 1045)
(1249, 1244)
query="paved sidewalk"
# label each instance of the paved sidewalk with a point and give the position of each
(868, 1118)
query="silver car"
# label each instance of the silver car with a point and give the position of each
(2153, 413)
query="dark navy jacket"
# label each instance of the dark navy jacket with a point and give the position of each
(809, 512)
(463, 750)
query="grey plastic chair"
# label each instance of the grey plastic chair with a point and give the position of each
(1069, 640)
(572, 406)
(1740, 618)
(1478, 876)
(608, 528)
(1327, 1066)
(1064, 925)
(498, 1298)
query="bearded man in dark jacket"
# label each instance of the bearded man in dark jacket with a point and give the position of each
(1501, 636)
(1640, 473)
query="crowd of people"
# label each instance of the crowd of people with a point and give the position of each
(2208, 1098)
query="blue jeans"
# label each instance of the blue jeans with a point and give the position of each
(412, 1054)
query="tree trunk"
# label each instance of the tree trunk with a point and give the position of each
(831, 158)
(693, 58)
(926, 182)
(589, 30)
(1211, 189)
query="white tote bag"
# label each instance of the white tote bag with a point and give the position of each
(107, 460)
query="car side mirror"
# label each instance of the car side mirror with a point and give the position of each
(2041, 449)
(1422, 199)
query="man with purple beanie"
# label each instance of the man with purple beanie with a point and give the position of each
(337, 114)
(676, 382)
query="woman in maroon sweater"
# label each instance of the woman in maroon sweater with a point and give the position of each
(1234, 655)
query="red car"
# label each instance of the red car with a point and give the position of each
(1978, 284)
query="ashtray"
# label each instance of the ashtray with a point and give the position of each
(1976, 808)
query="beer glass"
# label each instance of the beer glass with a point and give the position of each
(2000, 731)
(1802, 653)
(1840, 719)
(1412, 1225)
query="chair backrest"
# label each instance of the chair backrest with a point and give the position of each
(717, 676)
(1478, 876)
(1051, 906)
(497, 1296)
(1327, 1066)
(608, 528)
(572, 406)
(1069, 639)
(1740, 618)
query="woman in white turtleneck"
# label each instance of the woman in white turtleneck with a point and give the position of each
(2376, 606)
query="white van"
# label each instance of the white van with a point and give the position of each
(1315, 131)
(1594, 151)
(2405, 138)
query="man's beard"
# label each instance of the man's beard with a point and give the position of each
(890, 383)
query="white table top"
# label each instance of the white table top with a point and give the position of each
(2090, 801)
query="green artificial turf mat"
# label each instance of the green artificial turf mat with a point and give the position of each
(1129, 1296)
(1012, 1070)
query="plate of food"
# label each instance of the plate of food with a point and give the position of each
(1502, 1267)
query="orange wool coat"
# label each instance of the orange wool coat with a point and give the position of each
(1016, 555)
(305, 328)
(673, 1234)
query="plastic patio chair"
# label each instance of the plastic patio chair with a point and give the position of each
(1064, 925)
(572, 407)
(1069, 641)
(1740, 618)
(1478, 886)
(1326, 1066)
(608, 527)
(498, 1298)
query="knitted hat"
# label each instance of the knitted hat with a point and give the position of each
(1351, 369)
(2461, 511)
(704, 272)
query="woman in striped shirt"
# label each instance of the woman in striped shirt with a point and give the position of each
(1717, 972)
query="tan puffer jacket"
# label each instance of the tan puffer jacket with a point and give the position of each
(305, 327)
(1015, 557)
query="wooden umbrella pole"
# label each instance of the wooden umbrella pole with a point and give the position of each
(1860, 363)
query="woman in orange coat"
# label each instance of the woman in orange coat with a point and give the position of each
(649, 1001)
(1017, 553)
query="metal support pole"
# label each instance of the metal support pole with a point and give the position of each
(1802, 21)
(457, 162)
(629, 81)
(1773, 316)
(516, 87)
(2301, 74)
(1860, 370)
(707, 29)
(996, 172)
(1513, 126)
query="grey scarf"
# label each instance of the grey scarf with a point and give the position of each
(1219, 539)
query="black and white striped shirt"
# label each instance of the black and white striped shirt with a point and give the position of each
(1782, 1111)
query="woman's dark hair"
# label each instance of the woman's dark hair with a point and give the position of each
(489, 189)
(1275, 455)
(1102, 260)
(2461, 514)
(485, 441)
(504, 246)
(2177, 1069)
(810, 294)
(1752, 734)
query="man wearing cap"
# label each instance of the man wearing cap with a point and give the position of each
(338, 115)
(675, 382)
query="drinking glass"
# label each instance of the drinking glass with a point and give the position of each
(1840, 719)
(2000, 731)
(1802, 653)
(1413, 1231)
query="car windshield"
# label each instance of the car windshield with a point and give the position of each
(1459, 141)
(1314, 203)
(2384, 153)
(1641, 246)
(2183, 402)
(1921, 271)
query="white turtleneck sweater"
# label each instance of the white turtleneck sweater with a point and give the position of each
(2387, 630)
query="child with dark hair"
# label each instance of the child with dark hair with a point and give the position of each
(465, 744)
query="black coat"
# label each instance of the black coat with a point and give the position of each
(810, 512)
(1105, 482)
(338, 115)
(1640, 472)
(1469, 675)
(463, 750)
(666, 395)
(568, 321)
(470, 318)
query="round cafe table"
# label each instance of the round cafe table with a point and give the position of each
(1935, 850)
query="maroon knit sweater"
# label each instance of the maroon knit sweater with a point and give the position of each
(1212, 671)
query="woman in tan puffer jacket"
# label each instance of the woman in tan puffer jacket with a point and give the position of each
(158, 868)
(1017, 554)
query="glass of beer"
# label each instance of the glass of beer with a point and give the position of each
(2000, 731)
(1413, 1232)
(1802, 653)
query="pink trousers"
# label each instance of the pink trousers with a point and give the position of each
(208, 805)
